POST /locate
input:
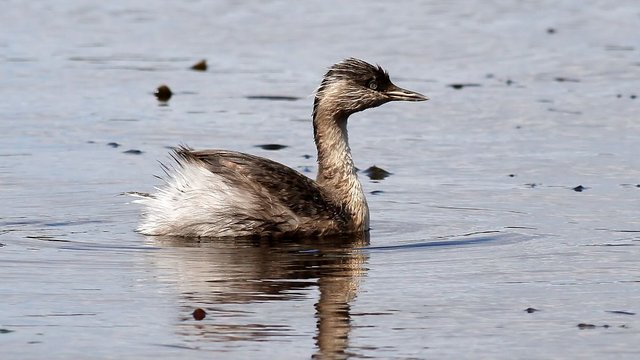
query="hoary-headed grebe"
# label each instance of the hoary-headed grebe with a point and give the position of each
(221, 193)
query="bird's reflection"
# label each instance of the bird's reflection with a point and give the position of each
(226, 276)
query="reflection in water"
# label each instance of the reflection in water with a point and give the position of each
(225, 275)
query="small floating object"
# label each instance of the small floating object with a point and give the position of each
(113, 144)
(199, 314)
(376, 192)
(579, 188)
(271, 146)
(460, 86)
(551, 30)
(564, 79)
(273, 97)
(133, 152)
(376, 173)
(163, 93)
(621, 312)
(586, 326)
(531, 310)
(200, 65)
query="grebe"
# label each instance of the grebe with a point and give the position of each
(220, 193)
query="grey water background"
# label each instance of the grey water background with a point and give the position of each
(479, 220)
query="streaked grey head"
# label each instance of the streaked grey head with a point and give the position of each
(354, 85)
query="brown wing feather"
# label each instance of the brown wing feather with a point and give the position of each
(292, 189)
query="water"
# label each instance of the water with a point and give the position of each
(478, 221)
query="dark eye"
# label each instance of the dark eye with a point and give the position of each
(373, 85)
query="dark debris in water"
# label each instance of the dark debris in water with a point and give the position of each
(304, 169)
(133, 152)
(376, 192)
(584, 326)
(271, 146)
(6, 331)
(531, 310)
(163, 93)
(113, 144)
(459, 86)
(579, 188)
(199, 314)
(551, 30)
(45, 238)
(200, 65)
(273, 97)
(564, 79)
(621, 312)
(376, 173)
(568, 112)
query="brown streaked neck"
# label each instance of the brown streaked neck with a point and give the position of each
(336, 172)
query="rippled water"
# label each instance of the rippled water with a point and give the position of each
(507, 227)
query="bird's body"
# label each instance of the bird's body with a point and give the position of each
(219, 193)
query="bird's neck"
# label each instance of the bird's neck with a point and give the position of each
(336, 172)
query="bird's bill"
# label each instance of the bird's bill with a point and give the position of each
(399, 94)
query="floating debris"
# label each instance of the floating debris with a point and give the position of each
(113, 144)
(200, 65)
(273, 97)
(551, 30)
(271, 146)
(586, 326)
(163, 93)
(133, 152)
(565, 111)
(512, 175)
(564, 79)
(460, 86)
(579, 188)
(199, 314)
(376, 192)
(376, 173)
(621, 312)
(531, 310)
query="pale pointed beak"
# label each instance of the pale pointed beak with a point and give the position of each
(399, 94)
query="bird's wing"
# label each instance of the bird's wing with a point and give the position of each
(276, 182)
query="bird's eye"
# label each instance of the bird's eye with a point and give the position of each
(373, 85)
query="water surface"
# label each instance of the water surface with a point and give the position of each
(477, 221)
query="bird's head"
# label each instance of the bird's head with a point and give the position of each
(354, 85)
